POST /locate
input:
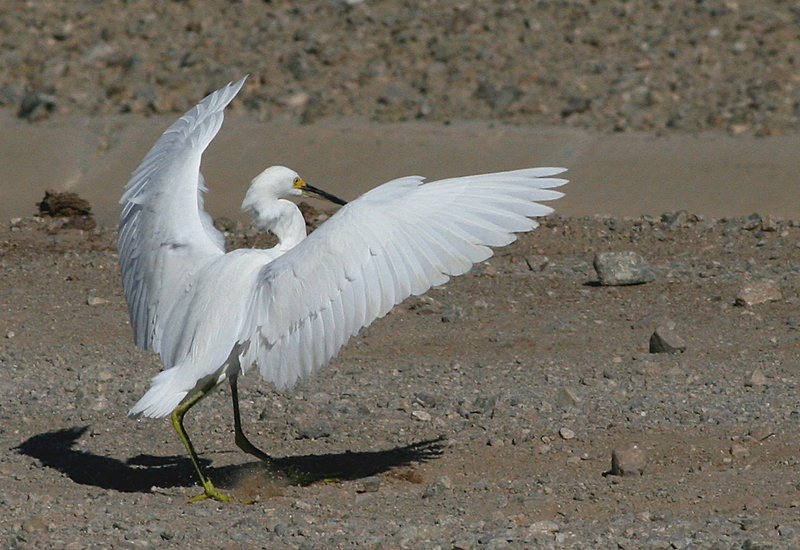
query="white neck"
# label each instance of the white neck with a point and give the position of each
(284, 220)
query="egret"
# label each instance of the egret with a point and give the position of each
(211, 314)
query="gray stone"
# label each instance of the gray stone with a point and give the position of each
(674, 220)
(543, 527)
(738, 450)
(566, 398)
(371, 484)
(758, 293)
(316, 431)
(438, 487)
(537, 262)
(566, 433)
(451, 314)
(622, 268)
(37, 106)
(629, 460)
(756, 379)
(666, 340)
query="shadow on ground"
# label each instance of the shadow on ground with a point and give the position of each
(141, 473)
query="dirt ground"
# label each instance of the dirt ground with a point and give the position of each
(481, 416)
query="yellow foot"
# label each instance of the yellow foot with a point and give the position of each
(211, 492)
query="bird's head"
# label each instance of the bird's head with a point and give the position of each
(277, 182)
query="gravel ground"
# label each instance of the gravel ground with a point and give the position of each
(481, 416)
(613, 66)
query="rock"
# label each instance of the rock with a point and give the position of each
(622, 268)
(37, 106)
(451, 314)
(483, 404)
(438, 487)
(537, 262)
(673, 220)
(760, 431)
(769, 224)
(566, 433)
(666, 340)
(543, 527)
(318, 430)
(758, 293)
(424, 304)
(427, 400)
(96, 301)
(756, 379)
(371, 484)
(739, 451)
(629, 460)
(566, 398)
(422, 416)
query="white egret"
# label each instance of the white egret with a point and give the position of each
(210, 315)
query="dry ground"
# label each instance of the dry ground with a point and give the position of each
(442, 434)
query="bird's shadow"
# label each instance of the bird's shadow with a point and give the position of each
(141, 473)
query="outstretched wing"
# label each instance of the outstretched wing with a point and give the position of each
(165, 235)
(395, 241)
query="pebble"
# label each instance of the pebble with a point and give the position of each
(757, 379)
(451, 314)
(96, 301)
(543, 527)
(316, 431)
(566, 433)
(622, 268)
(566, 398)
(739, 451)
(665, 339)
(438, 487)
(629, 460)
(424, 304)
(761, 431)
(674, 220)
(371, 484)
(769, 224)
(758, 293)
(537, 262)
(422, 416)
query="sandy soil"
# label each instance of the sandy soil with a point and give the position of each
(483, 416)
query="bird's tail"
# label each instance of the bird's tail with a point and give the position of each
(162, 397)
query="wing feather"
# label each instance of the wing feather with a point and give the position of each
(165, 235)
(397, 240)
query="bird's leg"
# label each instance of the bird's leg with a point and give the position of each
(241, 440)
(209, 491)
(244, 444)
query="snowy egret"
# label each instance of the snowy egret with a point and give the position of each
(210, 315)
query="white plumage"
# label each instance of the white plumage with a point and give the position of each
(288, 310)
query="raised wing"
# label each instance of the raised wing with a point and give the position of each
(395, 241)
(165, 235)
